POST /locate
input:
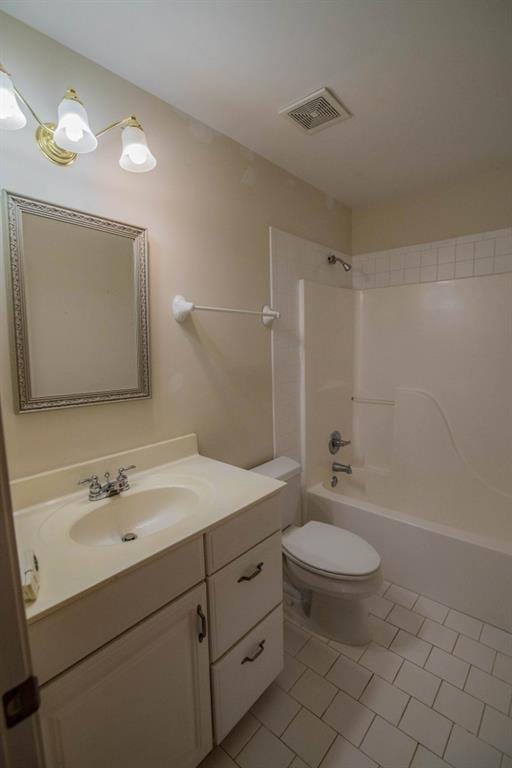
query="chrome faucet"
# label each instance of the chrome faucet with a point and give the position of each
(337, 467)
(336, 442)
(110, 487)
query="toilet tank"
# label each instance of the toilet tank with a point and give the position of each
(288, 471)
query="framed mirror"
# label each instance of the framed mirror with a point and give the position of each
(78, 287)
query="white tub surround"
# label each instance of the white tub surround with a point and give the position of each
(485, 253)
(293, 259)
(468, 572)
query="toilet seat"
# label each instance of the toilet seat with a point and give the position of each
(331, 552)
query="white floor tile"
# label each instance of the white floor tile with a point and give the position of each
(466, 751)
(292, 670)
(448, 667)
(294, 638)
(459, 707)
(350, 718)
(411, 647)
(298, 763)
(275, 709)
(318, 655)
(503, 667)
(264, 750)
(384, 699)
(383, 587)
(401, 596)
(349, 676)
(426, 726)
(497, 730)
(475, 653)
(405, 619)
(430, 609)
(497, 639)
(382, 632)
(309, 737)
(218, 759)
(467, 625)
(388, 745)
(353, 652)
(314, 692)
(343, 755)
(423, 758)
(438, 635)
(240, 735)
(418, 682)
(489, 689)
(385, 663)
(379, 606)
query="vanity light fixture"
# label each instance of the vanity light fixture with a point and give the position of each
(72, 135)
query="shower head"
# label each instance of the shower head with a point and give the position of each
(332, 259)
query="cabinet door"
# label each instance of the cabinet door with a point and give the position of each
(142, 700)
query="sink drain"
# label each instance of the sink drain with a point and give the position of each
(129, 537)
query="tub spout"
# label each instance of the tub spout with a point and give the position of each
(337, 467)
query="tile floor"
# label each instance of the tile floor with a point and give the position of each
(433, 690)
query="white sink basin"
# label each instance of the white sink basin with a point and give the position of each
(125, 518)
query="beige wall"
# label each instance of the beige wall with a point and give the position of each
(482, 203)
(207, 206)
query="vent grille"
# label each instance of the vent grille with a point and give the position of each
(316, 111)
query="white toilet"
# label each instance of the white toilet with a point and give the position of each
(333, 569)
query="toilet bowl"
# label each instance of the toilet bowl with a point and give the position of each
(339, 570)
(333, 569)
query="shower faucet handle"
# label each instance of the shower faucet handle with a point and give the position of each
(336, 442)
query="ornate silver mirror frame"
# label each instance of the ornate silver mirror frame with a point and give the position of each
(15, 206)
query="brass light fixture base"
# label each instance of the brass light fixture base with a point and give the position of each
(47, 145)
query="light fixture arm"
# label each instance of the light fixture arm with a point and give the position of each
(126, 121)
(65, 154)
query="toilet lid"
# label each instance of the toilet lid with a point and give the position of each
(328, 548)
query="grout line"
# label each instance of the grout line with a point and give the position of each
(448, 739)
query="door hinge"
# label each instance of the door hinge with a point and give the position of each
(21, 701)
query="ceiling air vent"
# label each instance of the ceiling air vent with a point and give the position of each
(316, 111)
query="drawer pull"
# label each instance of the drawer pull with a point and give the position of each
(202, 620)
(253, 575)
(258, 653)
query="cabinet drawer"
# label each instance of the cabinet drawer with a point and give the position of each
(243, 592)
(241, 533)
(240, 677)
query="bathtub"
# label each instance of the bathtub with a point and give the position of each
(466, 571)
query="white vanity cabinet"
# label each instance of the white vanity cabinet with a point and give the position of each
(142, 700)
(155, 665)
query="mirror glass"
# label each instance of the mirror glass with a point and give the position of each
(79, 306)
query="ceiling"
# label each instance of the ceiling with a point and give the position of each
(429, 82)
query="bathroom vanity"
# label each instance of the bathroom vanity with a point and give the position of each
(150, 650)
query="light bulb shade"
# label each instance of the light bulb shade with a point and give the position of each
(11, 116)
(136, 156)
(73, 132)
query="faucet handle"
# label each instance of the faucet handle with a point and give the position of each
(95, 488)
(336, 442)
(123, 470)
(122, 477)
(92, 480)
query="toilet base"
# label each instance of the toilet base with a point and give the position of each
(344, 620)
